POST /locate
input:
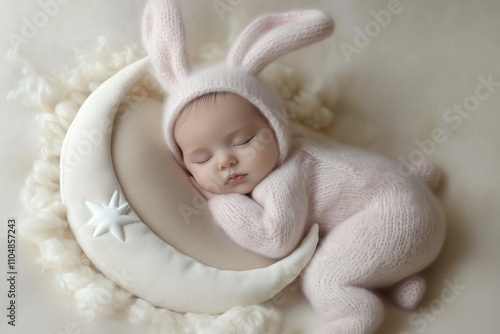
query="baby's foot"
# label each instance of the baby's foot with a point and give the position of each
(428, 172)
(409, 292)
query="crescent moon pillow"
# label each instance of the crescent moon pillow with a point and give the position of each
(156, 188)
(132, 208)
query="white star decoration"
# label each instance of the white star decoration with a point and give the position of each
(110, 218)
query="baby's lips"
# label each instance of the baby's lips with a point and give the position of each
(237, 180)
(234, 175)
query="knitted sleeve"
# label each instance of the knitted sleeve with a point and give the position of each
(271, 222)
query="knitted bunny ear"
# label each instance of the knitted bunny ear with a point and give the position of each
(164, 39)
(271, 36)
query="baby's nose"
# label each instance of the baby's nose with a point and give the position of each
(227, 160)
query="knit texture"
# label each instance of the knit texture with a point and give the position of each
(264, 40)
(378, 228)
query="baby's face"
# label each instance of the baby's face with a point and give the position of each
(227, 145)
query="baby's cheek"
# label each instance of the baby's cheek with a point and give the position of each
(190, 169)
(208, 180)
(249, 153)
(197, 174)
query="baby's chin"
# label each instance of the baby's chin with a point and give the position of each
(243, 189)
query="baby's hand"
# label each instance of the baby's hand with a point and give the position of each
(205, 193)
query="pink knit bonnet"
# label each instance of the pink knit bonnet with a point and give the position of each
(265, 39)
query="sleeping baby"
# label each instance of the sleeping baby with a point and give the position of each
(266, 187)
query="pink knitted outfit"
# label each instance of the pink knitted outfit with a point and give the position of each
(378, 227)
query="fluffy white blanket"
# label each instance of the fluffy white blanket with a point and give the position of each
(404, 78)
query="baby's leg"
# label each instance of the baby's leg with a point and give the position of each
(375, 248)
(350, 310)
(342, 266)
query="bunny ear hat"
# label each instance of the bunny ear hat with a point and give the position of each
(264, 40)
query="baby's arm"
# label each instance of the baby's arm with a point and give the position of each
(273, 221)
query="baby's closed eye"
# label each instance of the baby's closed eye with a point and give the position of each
(243, 141)
(201, 159)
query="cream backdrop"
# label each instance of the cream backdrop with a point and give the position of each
(418, 78)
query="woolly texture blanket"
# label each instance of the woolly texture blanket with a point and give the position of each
(407, 79)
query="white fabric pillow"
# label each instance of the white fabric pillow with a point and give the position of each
(115, 238)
